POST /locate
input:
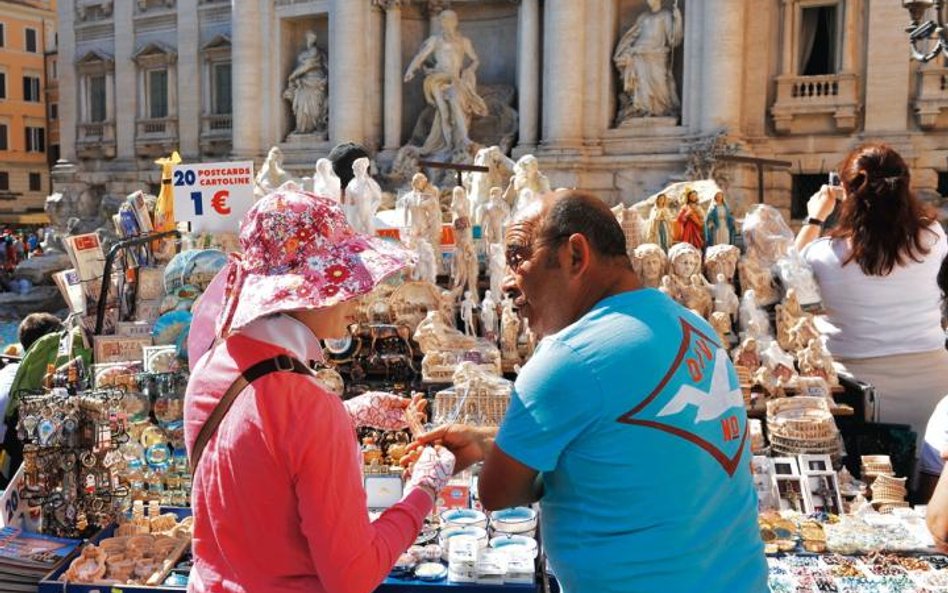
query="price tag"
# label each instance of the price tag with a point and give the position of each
(213, 196)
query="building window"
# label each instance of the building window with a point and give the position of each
(97, 99)
(4, 132)
(804, 186)
(35, 139)
(221, 103)
(4, 181)
(53, 69)
(3, 34)
(3, 85)
(30, 40)
(157, 81)
(31, 88)
(54, 111)
(53, 153)
(818, 40)
(36, 182)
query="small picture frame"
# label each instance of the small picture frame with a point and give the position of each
(762, 470)
(815, 463)
(785, 466)
(824, 492)
(383, 490)
(793, 494)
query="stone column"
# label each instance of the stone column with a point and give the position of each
(528, 73)
(564, 41)
(189, 80)
(722, 65)
(887, 73)
(126, 81)
(393, 74)
(851, 36)
(787, 17)
(247, 59)
(347, 71)
(68, 101)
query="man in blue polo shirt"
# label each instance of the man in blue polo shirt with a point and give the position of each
(629, 413)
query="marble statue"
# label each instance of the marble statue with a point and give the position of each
(527, 176)
(643, 58)
(489, 316)
(425, 268)
(719, 226)
(461, 216)
(756, 276)
(307, 89)
(449, 86)
(496, 267)
(363, 196)
(500, 168)
(467, 313)
(721, 259)
(660, 224)
(325, 181)
(725, 298)
(650, 263)
(815, 361)
(493, 216)
(271, 175)
(631, 223)
(795, 273)
(422, 210)
(691, 220)
(465, 269)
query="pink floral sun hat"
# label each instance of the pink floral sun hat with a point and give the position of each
(300, 252)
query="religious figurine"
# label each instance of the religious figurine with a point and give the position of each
(325, 181)
(721, 259)
(449, 87)
(631, 224)
(725, 298)
(754, 322)
(803, 330)
(493, 216)
(496, 267)
(691, 220)
(747, 355)
(721, 323)
(719, 226)
(787, 314)
(643, 58)
(307, 89)
(425, 268)
(500, 168)
(489, 316)
(467, 314)
(465, 269)
(696, 296)
(650, 263)
(780, 364)
(815, 361)
(271, 175)
(660, 223)
(363, 196)
(795, 273)
(461, 216)
(527, 176)
(764, 378)
(756, 276)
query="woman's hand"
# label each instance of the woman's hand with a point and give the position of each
(384, 411)
(432, 470)
(822, 203)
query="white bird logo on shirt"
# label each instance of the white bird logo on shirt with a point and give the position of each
(712, 403)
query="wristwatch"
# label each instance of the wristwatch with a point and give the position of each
(814, 221)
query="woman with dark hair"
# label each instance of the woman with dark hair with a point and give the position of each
(876, 272)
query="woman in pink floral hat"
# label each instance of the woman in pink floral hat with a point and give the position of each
(277, 490)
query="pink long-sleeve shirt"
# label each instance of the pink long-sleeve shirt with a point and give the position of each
(278, 498)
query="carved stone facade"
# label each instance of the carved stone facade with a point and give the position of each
(794, 80)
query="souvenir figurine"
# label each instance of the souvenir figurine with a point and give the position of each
(764, 378)
(433, 335)
(756, 276)
(754, 321)
(418, 204)
(787, 313)
(659, 225)
(802, 332)
(425, 268)
(691, 220)
(325, 181)
(467, 313)
(815, 361)
(767, 236)
(721, 259)
(461, 216)
(493, 216)
(496, 267)
(696, 296)
(465, 269)
(489, 316)
(725, 298)
(650, 263)
(631, 224)
(509, 332)
(718, 223)
(527, 176)
(795, 273)
(721, 322)
(780, 363)
(271, 174)
(684, 261)
(746, 354)
(363, 196)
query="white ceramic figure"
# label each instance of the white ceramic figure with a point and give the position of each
(307, 89)
(509, 331)
(721, 259)
(479, 184)
(527, 176)
(696, 295)
(417, 206)
(449, 86)
(496, 267)
(364, 196)
(632, 226)
(489, 316)
(650, 263)
(643, 58)
(467, 313)
(754, 321)
(756, 276)
(684, 261)
(725, 298)
(787, 314)
(465, 269)
(815, 361)
(425, 268)
(779, 362)
(795, 273)
(493, 216)
(325, 181)
(271, 175)
(461, 216)
(433, 334)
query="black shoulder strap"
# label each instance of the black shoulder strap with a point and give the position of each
(278, 364)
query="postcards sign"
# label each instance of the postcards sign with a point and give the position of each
(213, 197)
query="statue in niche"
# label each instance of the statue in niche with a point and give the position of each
(449, 86)
(306, 89)
(643, 58)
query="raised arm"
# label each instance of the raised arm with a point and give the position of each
(426, 50)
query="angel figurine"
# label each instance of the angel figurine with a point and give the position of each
(659, 225)
(691, 220)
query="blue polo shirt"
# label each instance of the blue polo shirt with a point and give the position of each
(634, 416)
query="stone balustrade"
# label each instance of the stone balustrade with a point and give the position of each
(815, 104)
(156, 137)
(95, 140)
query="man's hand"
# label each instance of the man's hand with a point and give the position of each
(469, 444)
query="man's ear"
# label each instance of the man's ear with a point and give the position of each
(579, 252)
